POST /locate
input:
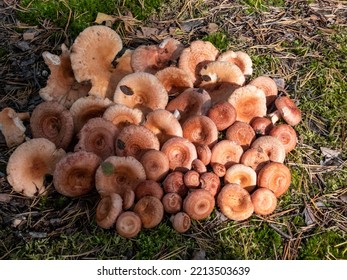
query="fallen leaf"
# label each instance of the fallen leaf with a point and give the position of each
(101, 17)
(212, 27)
(309, 217)
(149, 31)
(329, 153)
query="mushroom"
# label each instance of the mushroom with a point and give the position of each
(199, 204)
(242, 175)
(200, 130)
(286, 109)
(191, 179)
(204, 153)
(170, 50)
(268, 86)
(61, 85)
(181, 222)
(241, 133)
(235, 202)
(286, 134)
(174, 183)
(241, 59)
(29, 163)
(210, 182)
(130, 141)
(52, 121)
(148, 187)
(146, 59)
(271, 146)
(199, 166)
(223, 114)
(12, 127)
(74, 174)
(219, 169)
(128, 199)
(97, 136)
(121, 115)
(254, 158)
(128, 224)
(150, 210)
(226, 152)
(156, 164)
(264, 201)
(118, 174)
(175, 80)
(180, 152)
(261, 126)
(172, 202)
(249, 102)
(108, 210)
(142, 91)
(276, 177)
(92, 54)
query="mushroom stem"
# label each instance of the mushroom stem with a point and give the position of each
(23, 116)
(275, 116)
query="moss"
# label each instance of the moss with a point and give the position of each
(218, 39)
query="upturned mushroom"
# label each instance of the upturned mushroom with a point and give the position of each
(150, 210)
(30, 163)
(108, 210)
(175, 80)
(199, 204)
(242, 175)
(240, 58)
(122, 116)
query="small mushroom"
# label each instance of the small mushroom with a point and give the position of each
(128, 199)
(261, 126)
(199, 166)
(264, 201)
(241, 133)
(223, 114)
(174, 183)
(241, 59)
(255, 158)
(287, 109)
(122, 116)
(271, 146)
(12, 127)
(226, 152)
(108, 210)
(156, 165)
(210, 182)
(242, 175)
(286, 134)
(268, 86)
(172, 203)
(219, 169)
(150, 210)
(199, 204)
(204, 153)
(148, 187)
(128, 224)
(181, 222)
(191, 179)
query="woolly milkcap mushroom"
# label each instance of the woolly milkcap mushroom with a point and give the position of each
(12, 127)
(249, 102)
(254, 158)
(286, 134)
(156, 164)
(172, 203)
(271, 146)
(242, 175)
(118, 174)
(276, 177)
(53, 121)
(175, 80)
(174, 183)
(29, 163)
(200, 130)
(204, 153)
(135, 140)
(128, 224)
(235, 202)
(223, 114)
(268, 86)
(170, 50)
(150, 210)
(146, 59)
(198, 166)
(261, 125)
(286, 109)
(199, 204)
(108, 210)
(61, 85)
(180, 222)
(264, 201)
(210, 182)
(163, 124)
(121, 115)
(226, 152)
(194, 57)
(241, 133)
(92, 55)
(148, 187)
(180, 152)
(141, 90)
(191, 102)
(87, 108)
(241, 59)
(74, 174)
(191, 179)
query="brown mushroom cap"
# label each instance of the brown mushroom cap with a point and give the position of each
(219, 169)
(264, 201)
(156, 164)
(146, 59)
(108, 210)
(261, 125)
(271, 146)
(150, 210)
(135, 140)
(180, 152)
(74, 174)
(199, 204)
(226, 152)
(199, 166)
(92, 54)
(175, 80)
(170, 50)
(121, 115)
(268, 86)
(288, 110)
(210, 182)
(163, 124)
(241, 59)
(174, 183)
(241, 133)
(255, 158)
(223, 114)
(242, 175)
(191, 179)
(249, 102)
(29, 163)
(53, 121)
(200, 130)
(148, 187)
(128, 199)
(286, 134)
(11, 127)
(118, 174)
(276, 177)
(204, 153)
(141, 90)
(128, 224)
(172, 203)
(181, 222)
(235, 202)
(97, 136)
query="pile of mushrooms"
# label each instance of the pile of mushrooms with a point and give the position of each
(161, 130)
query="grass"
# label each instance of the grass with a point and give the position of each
(314, 70)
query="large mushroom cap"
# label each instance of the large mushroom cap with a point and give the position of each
(264, 201)
(199, 204)
(29, 163)
(11, 127)
(223, 114)
(92, 55)
(242, 175)
(156, 164)
(141, 90)
(271, 146)
(74, 174)
(150, 210)
(226, 152)
(175, 80)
